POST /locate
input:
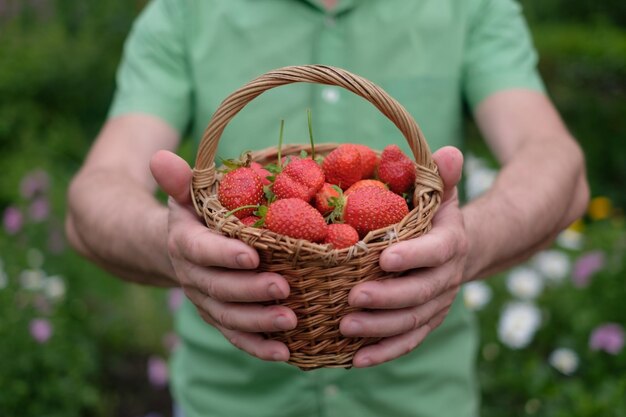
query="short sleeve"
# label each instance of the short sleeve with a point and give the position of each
(499, 52)
(153, 76)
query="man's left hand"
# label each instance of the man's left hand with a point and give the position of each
(404, 310)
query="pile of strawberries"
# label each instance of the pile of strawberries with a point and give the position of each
(336, 200)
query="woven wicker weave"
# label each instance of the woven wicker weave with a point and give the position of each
(320, 278)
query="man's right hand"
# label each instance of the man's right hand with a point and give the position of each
(217, 273)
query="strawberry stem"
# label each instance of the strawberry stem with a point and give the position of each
(280, 144)
(230, 213)
(310, 122)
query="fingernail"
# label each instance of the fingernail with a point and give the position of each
(278, 356)
(274, 291)
(354, 327)
(244, 260)
(365, 362)
(283, 323)
(392, 261)
(362, 300)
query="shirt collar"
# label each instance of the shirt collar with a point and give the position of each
(342, 6)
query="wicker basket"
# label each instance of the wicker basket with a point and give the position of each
(320, 278)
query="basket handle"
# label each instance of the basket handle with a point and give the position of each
(317, 74)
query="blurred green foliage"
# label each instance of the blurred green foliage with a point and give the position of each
(57, 68)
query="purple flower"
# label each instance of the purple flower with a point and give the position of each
(40, 330)
(175, 299)
(34, 184)
(39, 209)
(13, 220)
(585, 266)
(609, 337)
(157, 372)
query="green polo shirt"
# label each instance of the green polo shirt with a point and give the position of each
(183, 57)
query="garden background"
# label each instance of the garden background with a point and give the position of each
(76, 342)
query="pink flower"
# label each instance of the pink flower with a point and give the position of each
(35, 183)
(585, 266)
(175, 299)
(157, 372)
(40, 330)
(39, 209)
(608, 337)
(13, 220)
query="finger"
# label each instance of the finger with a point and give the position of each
(173, 175)
(236, 286)
(449, 161)
(194, 242)
(445, 240)
(414, 289)
(245, 317)
(387, 323)
(393, 347)
(252, 343)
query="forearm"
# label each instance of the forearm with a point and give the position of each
(538, 193)
(119, 225)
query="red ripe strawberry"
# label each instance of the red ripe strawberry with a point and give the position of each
(296, 218)
(240, 187)
(250, 220)
(371, 208)
(396, 170)
(301, 178)
(369, 161)
(263, 173)
(343, 166)
(341, 235)
(323, 196)
(365, 183)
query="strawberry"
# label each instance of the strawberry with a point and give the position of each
(323, 198)
(396, 170)
(369, 161)
(240, 187)
(263, 173)
(250, 220)
(301, 178)
(343, 166)
(296, 218)
(371, 208)
(341, 235)
(365, 183)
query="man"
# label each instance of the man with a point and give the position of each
(183, 57)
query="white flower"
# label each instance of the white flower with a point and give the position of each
(54, 287)
(32, 279)
(478, 181)
(472, 163)
(518, 324)
(34, 258)
(476, 295)
(554, 265)
(564, 360)
(570, 239)
(524, 283)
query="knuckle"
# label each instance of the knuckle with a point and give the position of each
(443, 251)
(224, 318)
(414, 320)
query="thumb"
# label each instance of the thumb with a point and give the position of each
(449, 160)
(173, 175)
